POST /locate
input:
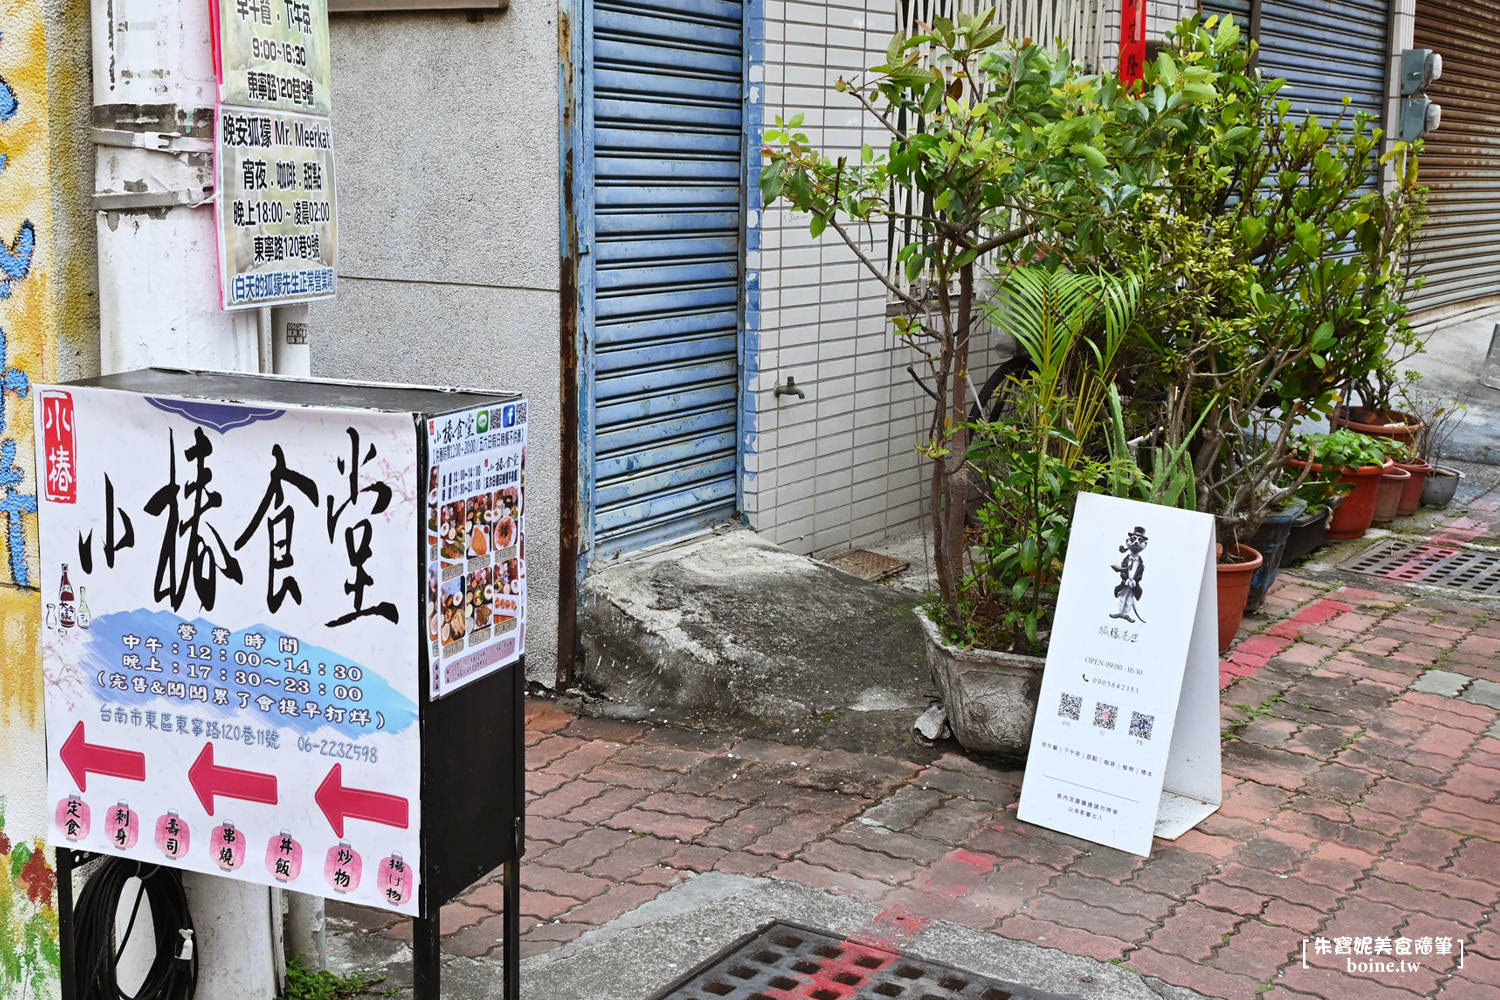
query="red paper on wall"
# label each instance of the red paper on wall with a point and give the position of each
(1132, 41)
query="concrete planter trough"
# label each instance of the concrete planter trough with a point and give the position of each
(990, 697)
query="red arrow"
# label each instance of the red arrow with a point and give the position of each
(339, 803)
(80, 758)
(209, 779)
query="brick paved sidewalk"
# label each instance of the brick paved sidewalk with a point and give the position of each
(1355, 807)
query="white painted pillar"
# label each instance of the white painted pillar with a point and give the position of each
(154, 96)
(291, 352)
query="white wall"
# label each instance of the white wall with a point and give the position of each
(838, 469)
(447, 139)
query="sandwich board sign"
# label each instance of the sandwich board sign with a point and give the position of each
(1126, 741)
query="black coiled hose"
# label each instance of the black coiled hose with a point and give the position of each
(96, 954)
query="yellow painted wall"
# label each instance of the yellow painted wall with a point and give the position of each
(28, 355)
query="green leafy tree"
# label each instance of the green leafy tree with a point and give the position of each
(1009, 152)
(1276, 269)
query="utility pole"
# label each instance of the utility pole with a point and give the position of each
(154, 98)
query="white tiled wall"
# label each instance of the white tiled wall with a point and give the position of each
(837, 470)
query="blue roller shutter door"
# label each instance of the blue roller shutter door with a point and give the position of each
(1327, 49)
(665, 122)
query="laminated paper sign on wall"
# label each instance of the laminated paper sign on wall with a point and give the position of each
(273, 153)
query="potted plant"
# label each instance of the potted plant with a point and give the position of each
(1378, 422)
(1271, 542)
(1358, 460)
(1379, 387)
(1441, 419)
(1236, 570)
(1029, 465)
(1177, 239)
(1396, 480)
(1309, 531)
(1393, 484)
(990, 142)
(955, 137)
(1278, 281)
(1409, 460)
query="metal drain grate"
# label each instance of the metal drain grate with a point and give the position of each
(787, 962)
(1456, 566)
(867, 565)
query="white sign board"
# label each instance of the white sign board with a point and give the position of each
(476, 537)
(230, 647)
(1126, 741)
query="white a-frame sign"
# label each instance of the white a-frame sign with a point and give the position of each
(1126, 742)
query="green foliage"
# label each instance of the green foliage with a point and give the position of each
(303, 983)
(1320, 492)
(1169, 481)
(1187, 249)
(1276, 279)
(1029, 478)
(1348, 449)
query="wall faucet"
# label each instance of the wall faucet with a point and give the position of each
(790, 389)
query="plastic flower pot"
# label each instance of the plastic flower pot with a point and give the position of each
(1234, 589)
(1270, 541)
(1440, 486)
(1388, 496)
(1354, 516)
(1308, 534)
(1392, 424)
(1411, 494)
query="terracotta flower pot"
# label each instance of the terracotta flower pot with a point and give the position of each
(1411, 494)
(1388, 496)
(1392, 424)
(1353, 516)
(1234, 588)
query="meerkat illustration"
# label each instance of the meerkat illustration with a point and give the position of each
(1131, 567)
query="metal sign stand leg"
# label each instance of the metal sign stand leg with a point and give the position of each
(427, 956)
(511, 946)
(427, 944)
(66, 862)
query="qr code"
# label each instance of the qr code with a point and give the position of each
(1104, 715)
(1140, 725)
(521, 412)
(1071, 707)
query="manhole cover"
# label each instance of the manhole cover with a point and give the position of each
(866, 565)
(787, 961)
(1426, 562)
